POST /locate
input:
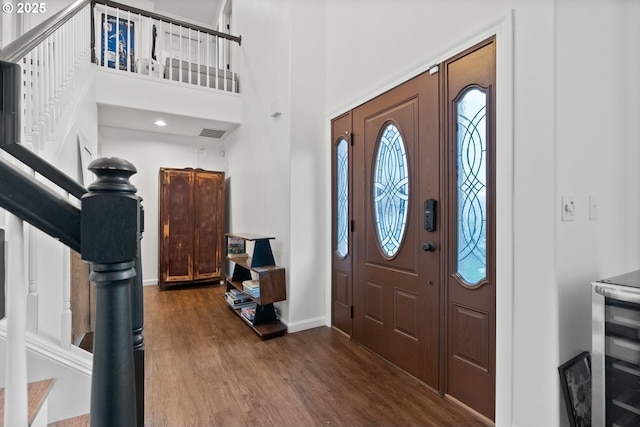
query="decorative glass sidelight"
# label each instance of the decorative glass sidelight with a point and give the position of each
(472, 186)
(390, 190)
(342, 192)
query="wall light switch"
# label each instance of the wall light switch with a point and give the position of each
(568, 208)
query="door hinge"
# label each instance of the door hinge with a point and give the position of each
(353, 226)
(351, 310)
(349, 135)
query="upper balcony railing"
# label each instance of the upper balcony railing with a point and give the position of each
(128, 39)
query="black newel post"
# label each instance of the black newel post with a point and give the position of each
(137, 318)
(110, 224)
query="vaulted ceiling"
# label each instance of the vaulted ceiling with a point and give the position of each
(203, 11)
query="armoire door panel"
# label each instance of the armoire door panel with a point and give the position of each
(208, 225)
(177, 237)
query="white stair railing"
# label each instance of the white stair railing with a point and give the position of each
(49, 71)
(66, 317)
(50, 76)
(33, 297)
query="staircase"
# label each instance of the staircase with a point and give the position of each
(38, 395)
(45, 76)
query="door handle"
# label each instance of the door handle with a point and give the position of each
(429, 247)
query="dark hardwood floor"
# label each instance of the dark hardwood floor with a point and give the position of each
(205, 367)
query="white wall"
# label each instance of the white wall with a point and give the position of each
(148, 152)
(259, 151)
(307, 270)
(598, 151)
(277, 163)
(370, 49)
(30, 20)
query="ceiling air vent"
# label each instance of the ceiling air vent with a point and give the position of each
(212, 133)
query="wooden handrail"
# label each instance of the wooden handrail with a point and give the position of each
(24, 44)
(33, 202)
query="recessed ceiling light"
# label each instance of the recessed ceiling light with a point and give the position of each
(160, 123)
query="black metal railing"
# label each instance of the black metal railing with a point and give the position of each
(130, 39)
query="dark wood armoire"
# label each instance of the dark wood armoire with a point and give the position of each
(191, 232)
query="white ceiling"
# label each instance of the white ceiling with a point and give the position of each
(204, 11)
(188, 128)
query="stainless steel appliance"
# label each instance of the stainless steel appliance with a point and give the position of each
(615, 352)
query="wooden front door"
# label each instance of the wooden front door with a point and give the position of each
(396, 259)
(470, 255)
(414, 227)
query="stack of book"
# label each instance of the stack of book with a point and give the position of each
(235, 246)
(249, 313)
(238, 299)
(252, 287)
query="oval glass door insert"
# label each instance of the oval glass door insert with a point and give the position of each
(390, 190)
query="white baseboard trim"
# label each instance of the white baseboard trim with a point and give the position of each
(305, 324)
